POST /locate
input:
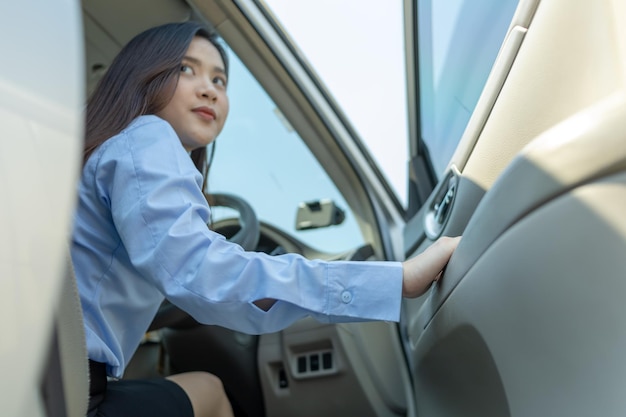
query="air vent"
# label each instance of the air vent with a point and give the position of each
(441, 205)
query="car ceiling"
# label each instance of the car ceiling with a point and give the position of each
(107, 29)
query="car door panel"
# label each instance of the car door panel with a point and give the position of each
(527, 103)
(523, 333)
(543, 172)
(526, 319)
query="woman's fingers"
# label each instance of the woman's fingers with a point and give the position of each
(420, 271)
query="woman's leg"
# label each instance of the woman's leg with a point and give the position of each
(206, 393)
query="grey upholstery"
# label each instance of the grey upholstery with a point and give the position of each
(65, 385)
(72, 345)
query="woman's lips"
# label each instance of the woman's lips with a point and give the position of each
(205, 113)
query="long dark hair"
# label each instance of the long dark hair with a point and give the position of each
(141, 80)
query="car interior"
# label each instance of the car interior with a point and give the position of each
(528, 317)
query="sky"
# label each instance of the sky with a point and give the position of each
(357, 48)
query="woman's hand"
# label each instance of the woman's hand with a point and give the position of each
(420, 271)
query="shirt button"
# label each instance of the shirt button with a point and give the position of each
(346, 297)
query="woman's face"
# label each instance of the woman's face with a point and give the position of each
(199, 107)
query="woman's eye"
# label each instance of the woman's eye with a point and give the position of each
(219, 81)
(186, 69)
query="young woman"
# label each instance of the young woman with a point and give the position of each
(140, 231)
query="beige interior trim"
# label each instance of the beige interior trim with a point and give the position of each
(569, 60)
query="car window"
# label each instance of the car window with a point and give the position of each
(259, 157)
(458, 44)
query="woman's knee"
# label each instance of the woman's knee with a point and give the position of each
(206, 393)
(210, 382)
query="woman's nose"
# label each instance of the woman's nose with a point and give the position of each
(207, 89)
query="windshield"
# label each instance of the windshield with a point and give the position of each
(260, 158)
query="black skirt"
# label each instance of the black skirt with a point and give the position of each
(136, 398)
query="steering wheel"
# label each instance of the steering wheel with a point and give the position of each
(247, 236)
(249, 230)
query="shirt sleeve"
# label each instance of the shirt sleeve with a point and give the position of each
(161, 215)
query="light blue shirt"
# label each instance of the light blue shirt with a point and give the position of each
(141, 235)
